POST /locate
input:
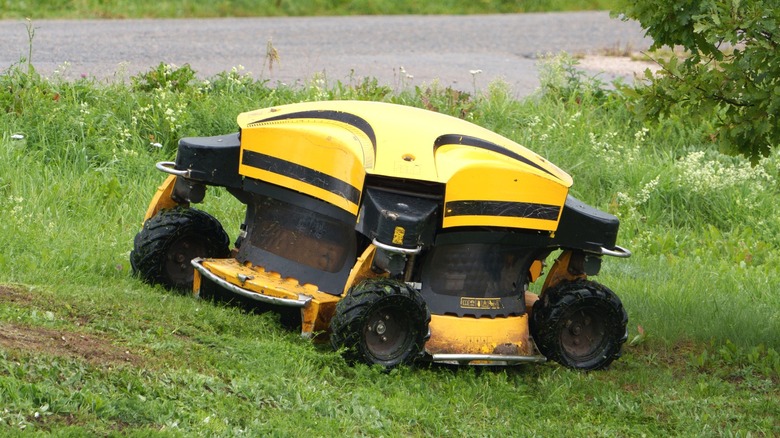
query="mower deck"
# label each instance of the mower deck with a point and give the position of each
(268, 287)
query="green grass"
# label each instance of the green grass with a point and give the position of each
(87, 349)
(39, 9)
(190, 367)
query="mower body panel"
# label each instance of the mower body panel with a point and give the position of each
(326, 150)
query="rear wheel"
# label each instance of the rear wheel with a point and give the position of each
(382, 322)
(163, 249)
(581, 325)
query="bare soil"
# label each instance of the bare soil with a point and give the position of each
(95, 349)
(617, 65)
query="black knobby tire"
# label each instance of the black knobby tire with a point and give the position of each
(381, 321)
(580, 324)
(163, 249)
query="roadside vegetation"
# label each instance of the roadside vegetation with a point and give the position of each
(38, 9)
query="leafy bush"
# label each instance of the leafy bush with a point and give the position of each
(729, 75)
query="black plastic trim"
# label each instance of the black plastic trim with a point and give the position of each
(210, 160)
(331, 282)
(502, 209)
(253, 186)
(585, 227)
(302, 173)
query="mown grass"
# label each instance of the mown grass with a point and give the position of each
(87, 349)
(38, 9)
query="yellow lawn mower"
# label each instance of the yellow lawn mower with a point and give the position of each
(401, 234)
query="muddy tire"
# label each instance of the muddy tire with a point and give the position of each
(580, 325)
(382, 322)
(163, 249)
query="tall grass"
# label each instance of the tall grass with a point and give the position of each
(76, 173)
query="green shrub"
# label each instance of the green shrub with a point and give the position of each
(730, 72)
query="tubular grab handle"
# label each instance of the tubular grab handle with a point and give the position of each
(167, 167)
(617, 252)
(396, 249)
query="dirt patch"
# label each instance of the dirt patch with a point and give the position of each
(15, 296)
(95, 349)
(616, 65)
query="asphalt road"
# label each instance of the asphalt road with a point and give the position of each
(397, 50)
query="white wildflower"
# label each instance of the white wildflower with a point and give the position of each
(640, 135)
(647, 190)
(630, 204)
(611, 151)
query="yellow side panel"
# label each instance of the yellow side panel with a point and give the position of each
(493, 192)
(162, 198)
(362, 269)
(322, 160)
(465, 335)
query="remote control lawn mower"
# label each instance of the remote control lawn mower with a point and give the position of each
(400, 234)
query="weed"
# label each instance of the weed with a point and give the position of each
(735, 360)
(271, 57)
(561, 79)
(164, 77)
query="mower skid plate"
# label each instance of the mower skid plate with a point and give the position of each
(258, 284)
(486, 359)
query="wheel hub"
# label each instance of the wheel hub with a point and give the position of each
(179, 255)
(583, 335)
(380, 328)
(387, 334)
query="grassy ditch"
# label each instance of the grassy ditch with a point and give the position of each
(39, 9)
(87, 349)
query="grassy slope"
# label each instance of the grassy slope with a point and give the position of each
(173, 364)
(86, 348)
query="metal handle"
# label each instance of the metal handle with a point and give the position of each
(396, 249)
(167, 167)
(617, 252)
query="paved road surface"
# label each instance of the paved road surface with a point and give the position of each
(446, 48)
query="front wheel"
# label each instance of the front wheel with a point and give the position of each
(163, 249)
(580, 324)
(382, 322)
